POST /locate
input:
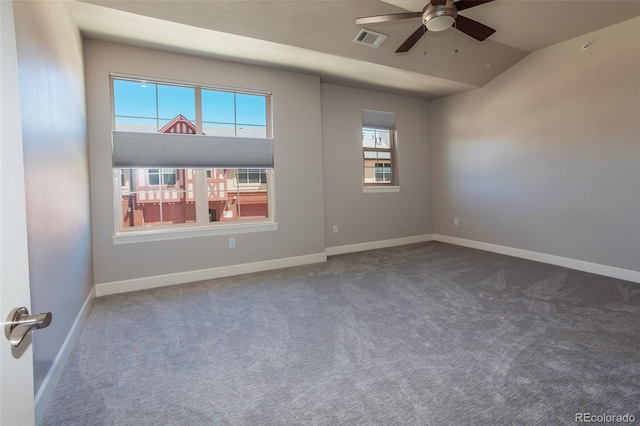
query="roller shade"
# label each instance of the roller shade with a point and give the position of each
(132, 149)
(378, 119)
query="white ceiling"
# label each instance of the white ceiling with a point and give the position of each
(316, 36)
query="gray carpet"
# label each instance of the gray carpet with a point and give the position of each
(424, 334)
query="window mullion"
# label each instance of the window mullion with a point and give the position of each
(157, 109)
(269, 124)
(198, 110)
(202, 196)
(235, 114)
(238, 208)
(270, 194)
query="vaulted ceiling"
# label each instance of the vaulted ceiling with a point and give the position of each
(317, 36)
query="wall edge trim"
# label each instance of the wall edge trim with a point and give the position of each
(373, 245)
(579, 265)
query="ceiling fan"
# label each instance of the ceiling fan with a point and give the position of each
(438, 15)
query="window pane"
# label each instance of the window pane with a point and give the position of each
(370, 154)
(254, 176)
(148, 213)
(168, 176)
(147, 107)
(243, 175)
(220, 200)
(238, 194)
(251, 109)
(218, 107)
(216, 186)
(252, 204)
(134, 98)
(368, 138)
(383, 139)
(176, 100)
(377, 154)
(383, 172)
(369, 175)
(172, 200)
(375, 138)
(154, 177)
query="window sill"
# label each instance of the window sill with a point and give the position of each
(378, 189)
(130, 237)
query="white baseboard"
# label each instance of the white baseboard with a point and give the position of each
(580, 265)
(144, 283)
(373, 245)
(115, 287)
(44, 394)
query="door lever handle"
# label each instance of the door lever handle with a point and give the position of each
(19, 323)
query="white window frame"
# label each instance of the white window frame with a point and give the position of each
(202, 226)
(379, 187)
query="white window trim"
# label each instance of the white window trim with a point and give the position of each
(194, 231)
(371, 189)
(379, 187)
(200, 228)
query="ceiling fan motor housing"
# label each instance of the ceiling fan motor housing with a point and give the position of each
(439, 17)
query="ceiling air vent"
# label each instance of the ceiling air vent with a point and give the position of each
(369, 38)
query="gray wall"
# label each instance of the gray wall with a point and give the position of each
(372, 217)
(298, 165)
(547, 156)
(56, 171)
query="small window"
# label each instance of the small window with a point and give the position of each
(378, 156)
(378, 148)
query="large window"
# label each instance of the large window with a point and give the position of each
(187, 156)
(378, 148)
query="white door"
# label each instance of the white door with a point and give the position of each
(16, 364)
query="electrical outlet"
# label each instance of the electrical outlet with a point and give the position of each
(335, 229)
(456, 222)
(232, 242)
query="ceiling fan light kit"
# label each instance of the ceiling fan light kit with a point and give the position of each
(437, 15)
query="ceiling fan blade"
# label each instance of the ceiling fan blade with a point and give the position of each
(466, 4)
(473, 28)
(413, 39)
(387, 18)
